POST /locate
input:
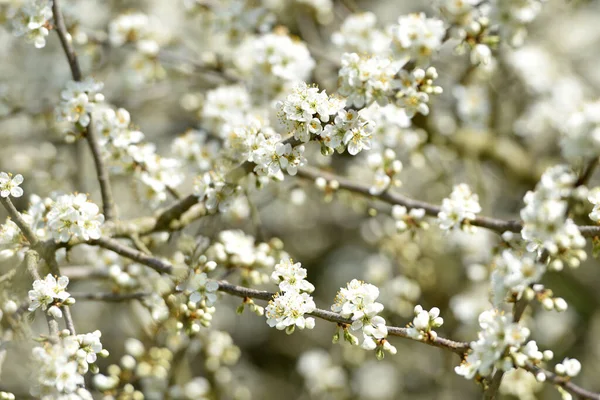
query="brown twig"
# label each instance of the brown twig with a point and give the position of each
(101, 171)
(240, 291)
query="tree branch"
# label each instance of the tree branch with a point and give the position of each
(493, 224)
(133, 254)
(101, 171)
(457, 347)
(109, 297)
(563, 382)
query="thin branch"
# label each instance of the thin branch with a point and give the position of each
(101, 171)
(133, 254)
(493, 224)
(109, 297)
(19, 221)
(587, 173)
(174, 212)
(457, 347)
(563, 382)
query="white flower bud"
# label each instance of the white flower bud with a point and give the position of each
(134, 347)
(481, 54)
(10, 307)
(55, 312)
(540, 377)
(548, 304)
(560, 304)
(128, 362)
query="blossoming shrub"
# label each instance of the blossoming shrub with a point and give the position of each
(404, 191)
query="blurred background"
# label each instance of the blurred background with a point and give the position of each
(496, 128)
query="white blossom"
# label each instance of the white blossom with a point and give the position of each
(200, 288)
(287, 310)
(498, 332)
(406, 220)
(216, 194)
(9, 185)
(459, 209)
(364, 80)
(291, 276)
(272, 61)
(569, 367)
(423, 322)
(513, 274)
(359, 34)
(48, 292)
(78, 101)
(416, 37)
(32, 21)
(545, 222)
(74, 216)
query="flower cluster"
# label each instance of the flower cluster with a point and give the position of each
(469, 23)
(480, 24)
(78, 101)
(305, 110)
(32, 21)
(290, 276)
(498, 333)
(60, 369)
(387, 170)
(423, 322)
(150, 366)
(134, 27)
(320, 373)
(545, 222)
(146, 34)
(194, 308)
(287, 310)
(114, 128)
(123, 147)
(225, 107)
(417, 38)
(273, 61)
(89, 348)
(235, 18)
(512, 18)
(233, 249)
(74, 216)
(358, 34)
(267, 151)
(306, 113)
(568, 367)
(196, 148)
(406, 220)
(199, 288)
(9, 185)
(459, 209)
(217, 195)
(155, 175)
(594, 199)
(393, 130)
(415, 87)
(513, 274)
(50, 294)
(357, 302)
(364, 80)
